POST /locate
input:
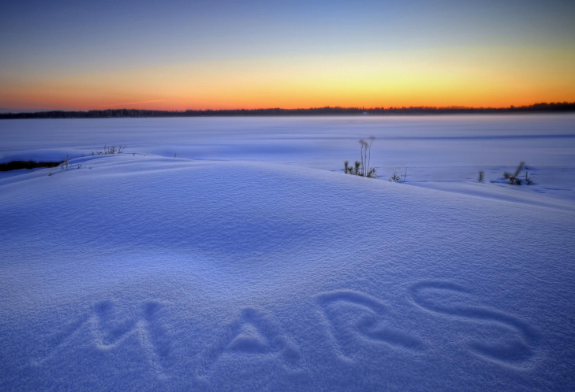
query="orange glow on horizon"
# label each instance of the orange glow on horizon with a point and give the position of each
(454, 77)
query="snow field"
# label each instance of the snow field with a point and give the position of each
(148, 272)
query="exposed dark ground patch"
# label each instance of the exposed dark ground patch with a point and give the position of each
(17, 165)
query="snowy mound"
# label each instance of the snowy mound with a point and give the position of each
(137, 272)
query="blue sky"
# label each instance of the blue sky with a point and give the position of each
(42, 40)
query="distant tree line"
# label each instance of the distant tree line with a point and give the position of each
(554, 107)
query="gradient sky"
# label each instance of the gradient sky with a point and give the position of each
(178, 55)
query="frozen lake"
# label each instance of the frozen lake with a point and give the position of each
(540, 140)
(233, 254)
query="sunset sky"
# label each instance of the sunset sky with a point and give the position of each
(177, 55)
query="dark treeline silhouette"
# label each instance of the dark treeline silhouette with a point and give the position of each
(554, 107)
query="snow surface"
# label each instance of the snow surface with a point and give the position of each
(251, 262)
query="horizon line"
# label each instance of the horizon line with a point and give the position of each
(7, 111)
